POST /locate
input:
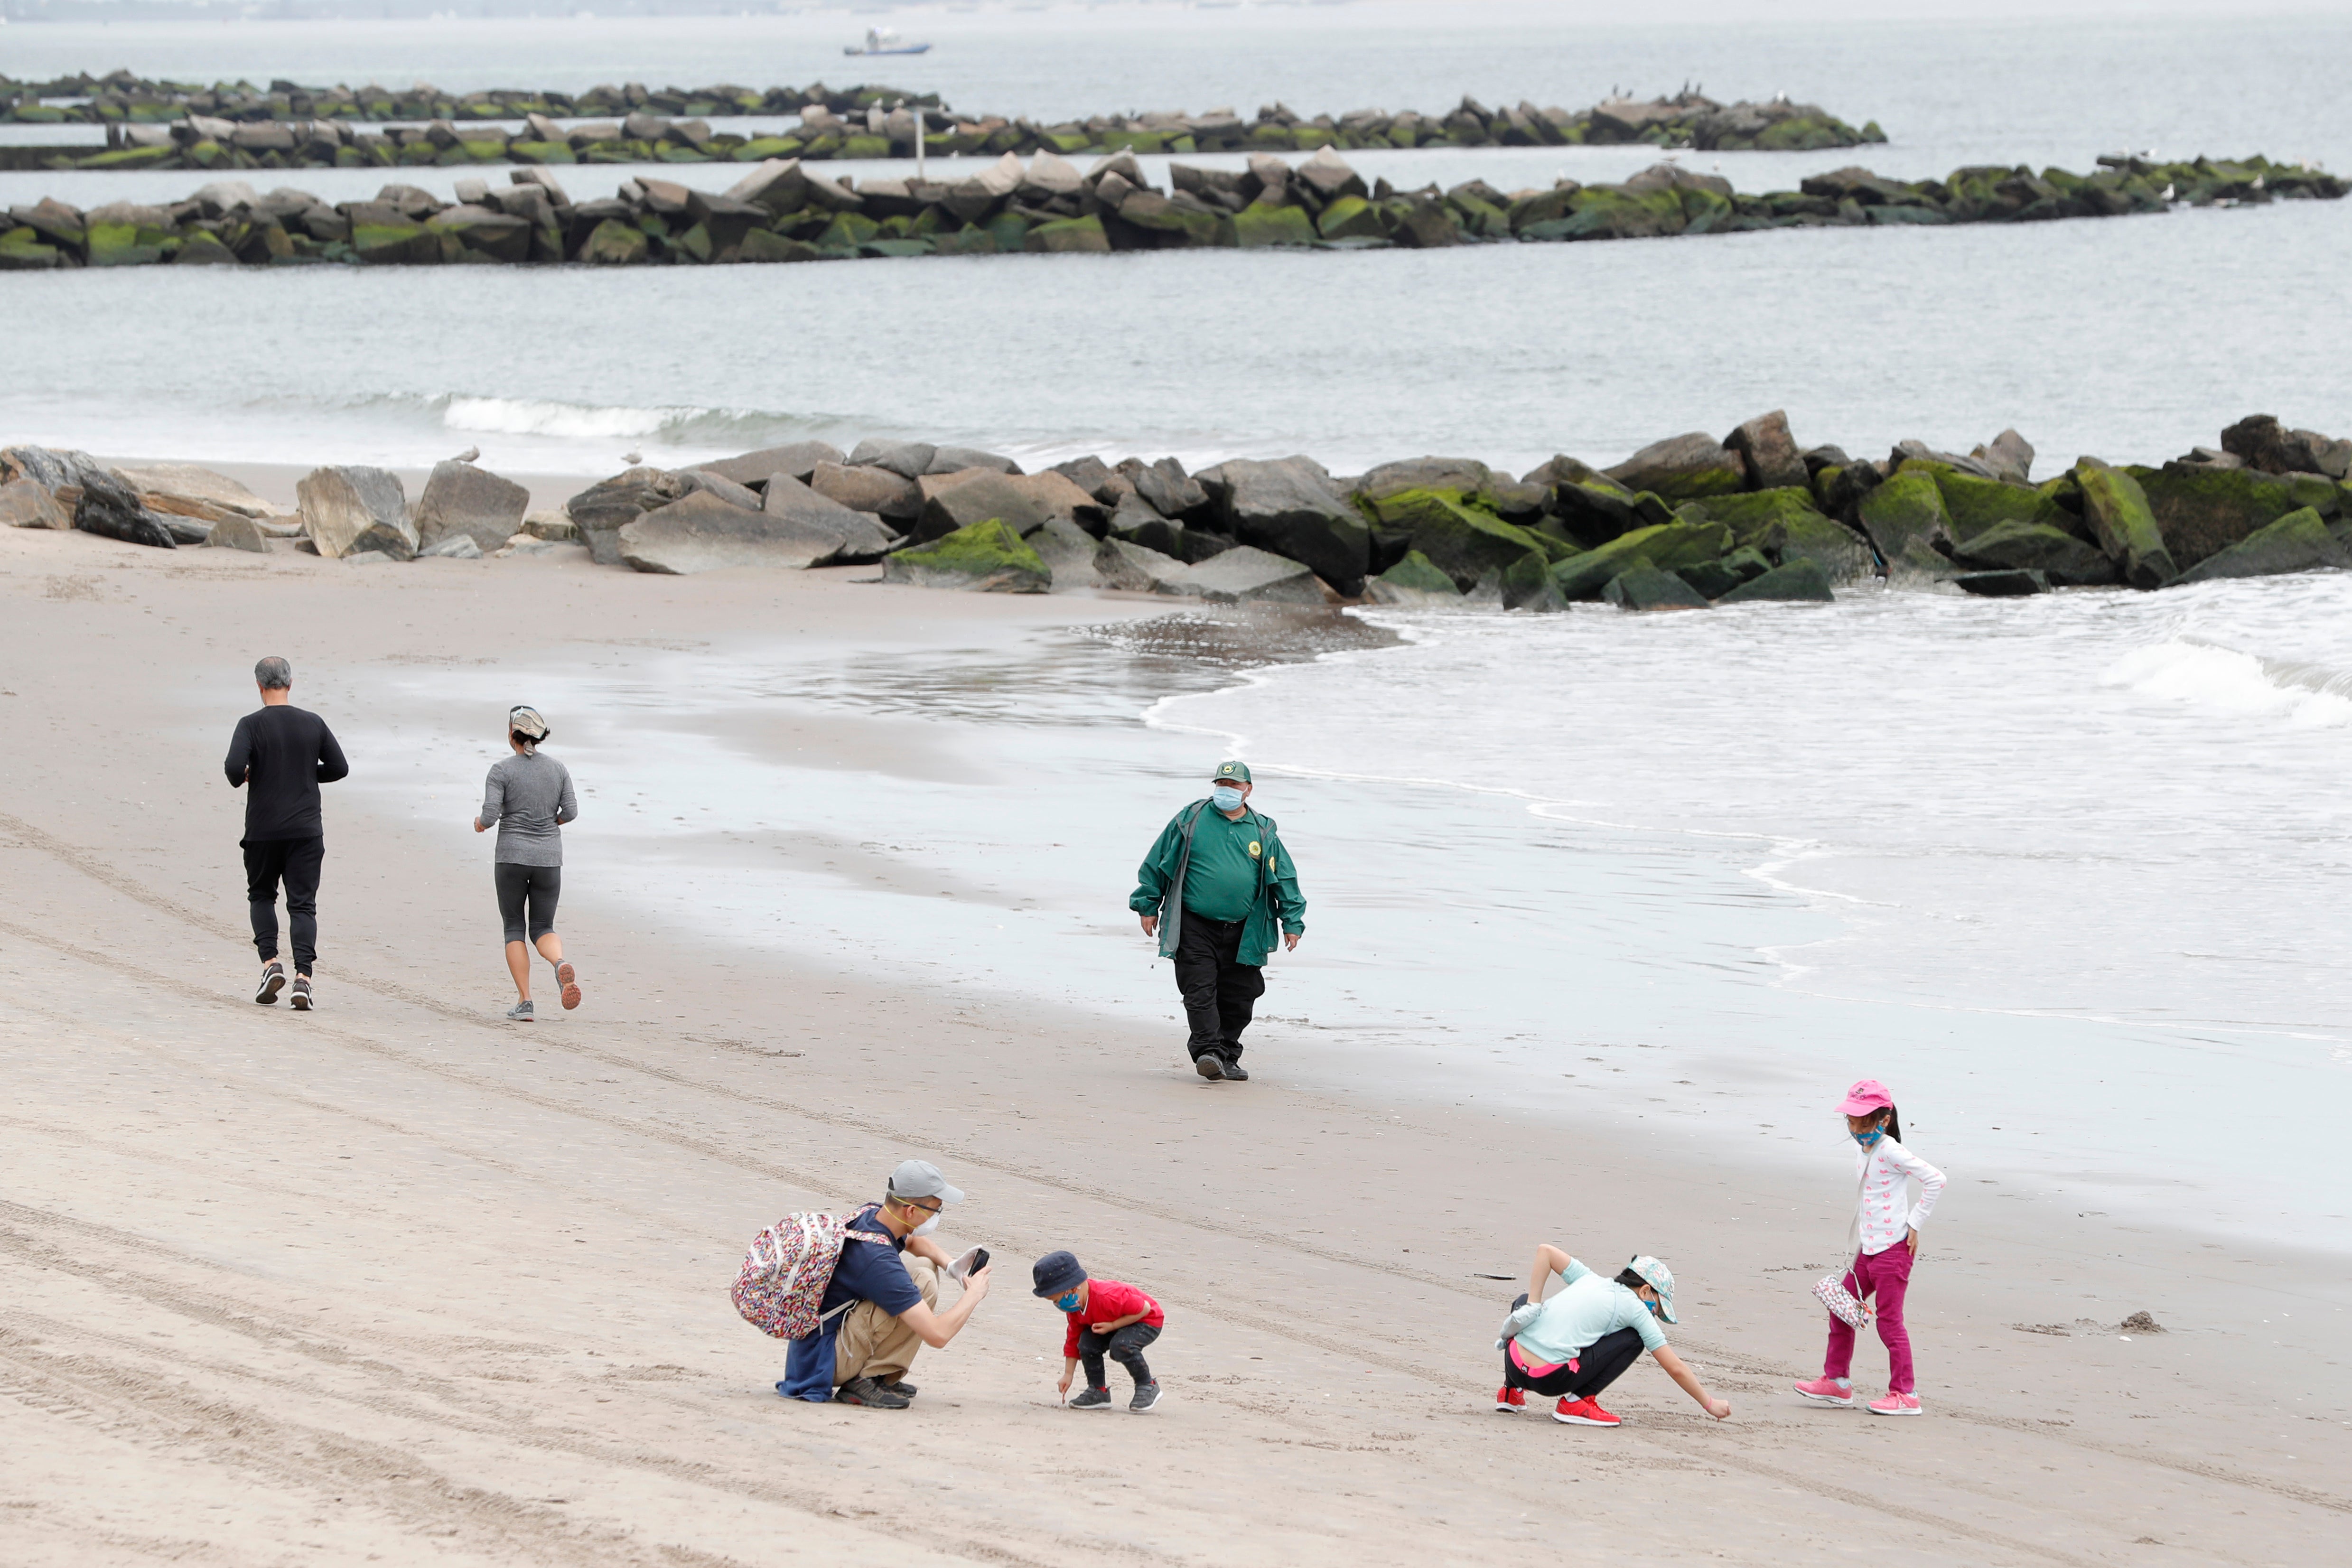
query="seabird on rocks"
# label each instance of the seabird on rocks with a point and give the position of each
(469, 454)
(633, 458)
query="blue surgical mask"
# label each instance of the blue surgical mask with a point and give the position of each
(1870, 1139)
(1068, 1303)
(1225, 798)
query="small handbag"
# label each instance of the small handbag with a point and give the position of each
(1830, 1289)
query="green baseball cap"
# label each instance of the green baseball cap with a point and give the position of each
(1232, 770)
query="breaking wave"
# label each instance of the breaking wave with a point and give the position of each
(2187, 669)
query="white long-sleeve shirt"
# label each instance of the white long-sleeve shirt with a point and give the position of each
(1884, 1172)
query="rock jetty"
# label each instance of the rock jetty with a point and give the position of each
(785, 210)
(1684, 524)
(240, 126)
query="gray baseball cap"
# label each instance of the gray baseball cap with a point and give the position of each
(922, 1179)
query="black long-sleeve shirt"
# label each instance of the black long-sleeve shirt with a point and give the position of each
(282, 754)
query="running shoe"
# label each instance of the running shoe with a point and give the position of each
(520, 1013)
(871, 1393)
(1210, 1066)
(1583, 1412)
(1828, 1390)
(1510, 1400)
(273, 981)
(1147, 1395)
(900, 1385)
(569, 978)
(303, 998)
(1895, 1405)
(1092, 1399)
(1235, 1071)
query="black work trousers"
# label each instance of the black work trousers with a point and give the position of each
(1597, 1365)
(295, 862)
(1124, 1346)
(1220, 993)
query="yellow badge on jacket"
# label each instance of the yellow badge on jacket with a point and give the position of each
(1253, 850)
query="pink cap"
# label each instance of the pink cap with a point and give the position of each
(1866, 1097)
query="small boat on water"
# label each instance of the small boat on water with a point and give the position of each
(883, 41)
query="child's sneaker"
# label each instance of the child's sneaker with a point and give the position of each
(1510, 1400)
(1895, 1405)
(1828, 1390)
(1092, 1399)
(1147, 1395)
(1583, 1412)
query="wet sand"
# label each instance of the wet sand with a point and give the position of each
(397, 1281)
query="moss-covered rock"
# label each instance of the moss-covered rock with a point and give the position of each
(1664, 546)
(2203, 511)
(985, 558)
(2116, 509)
(1785, 525)
(1349, 218)
(1466, 542)
(1606, 212)
(1801, 580)
(613, 243)
(2020, 546)
(1415, 579)
(1527, 584)
(1258, 225)
(1593, 508)
(1076, 234)
(1908, 506)
(2298, 541)
(1972, 505)
(1643, 586)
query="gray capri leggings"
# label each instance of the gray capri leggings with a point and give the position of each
(538, 886)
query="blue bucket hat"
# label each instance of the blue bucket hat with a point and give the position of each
(1057, 1274)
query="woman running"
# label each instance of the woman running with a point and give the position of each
(528, 798)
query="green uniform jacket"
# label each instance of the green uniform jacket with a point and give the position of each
(1160, 886)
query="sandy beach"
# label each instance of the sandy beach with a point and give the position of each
(396, 1282)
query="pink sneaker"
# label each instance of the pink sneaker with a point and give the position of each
(1828, 1390)
(1895, 1405)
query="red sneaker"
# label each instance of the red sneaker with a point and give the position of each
(1583, 1412)
(1510, 1400)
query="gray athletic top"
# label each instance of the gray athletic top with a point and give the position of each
(527, 799)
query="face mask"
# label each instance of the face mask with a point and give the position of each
(1068, 1303)
(926, 1228)
(1870, 1138)
(1225, 798)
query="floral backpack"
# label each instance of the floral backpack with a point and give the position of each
(783, 1278)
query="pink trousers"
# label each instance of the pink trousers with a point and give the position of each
(1887, 1276)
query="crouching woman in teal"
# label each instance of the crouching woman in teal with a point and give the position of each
(1573, 1346)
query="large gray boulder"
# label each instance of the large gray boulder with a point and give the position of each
(798, 459)
(887, 495)
(1683, 468)
(955, 460)
(598, 512)
(908, 459)
(1768, 451)
(184, 490)
(1413, 582)
(958, 500)
(26, 504)
(1291, 508)
(459, 546)
(58, 471)
(462, 499)
(1134, 569)
(1801, 580)
(2299, 542)
(857, 536)
(703, 533)
(722, 487)
(1642, 586)
(111, 509)
(1171, 492)
(1245, 574)
(351, 508)
(1068, 553)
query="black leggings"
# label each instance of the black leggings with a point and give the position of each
(1125, 1347)
(1597, 1365)
(540, 886)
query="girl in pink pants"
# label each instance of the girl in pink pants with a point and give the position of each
(1884, 1243)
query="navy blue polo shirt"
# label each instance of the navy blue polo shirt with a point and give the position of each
(870, 1273)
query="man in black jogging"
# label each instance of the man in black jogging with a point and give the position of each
(280, 755)
(1214, 889)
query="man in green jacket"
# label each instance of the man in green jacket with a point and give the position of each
(1212, 890)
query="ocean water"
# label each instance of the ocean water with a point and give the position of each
(2066, 871)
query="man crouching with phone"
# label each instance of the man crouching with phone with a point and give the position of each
(888, 1279)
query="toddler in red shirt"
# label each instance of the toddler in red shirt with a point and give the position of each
(1107, 1320)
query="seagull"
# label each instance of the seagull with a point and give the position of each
(2168, 192)
(468, 455)
(633, 458)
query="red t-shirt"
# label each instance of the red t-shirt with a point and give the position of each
(1107, 1300)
